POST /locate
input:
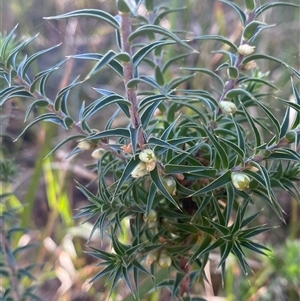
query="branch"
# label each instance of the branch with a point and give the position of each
(128, 69)
(76, 126)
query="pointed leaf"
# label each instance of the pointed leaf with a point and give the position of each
(94, 13)
(217, 38)
(237, 9)
(35, 56)
(5, 43)
(160, 186)
(141, 53)
(50, 117)
(219, 182)
(264, 7)
(145, 29)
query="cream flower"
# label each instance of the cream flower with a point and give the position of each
(147, 156)
(246, 49)
(98, 153)
(227, 107)
(240, 180)
(139, 171)
(85, 145)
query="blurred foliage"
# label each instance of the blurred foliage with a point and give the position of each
(189, 209)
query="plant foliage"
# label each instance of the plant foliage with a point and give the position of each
(213, 158)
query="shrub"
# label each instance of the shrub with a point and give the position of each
(181, 176)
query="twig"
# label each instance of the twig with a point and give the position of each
(128, 69)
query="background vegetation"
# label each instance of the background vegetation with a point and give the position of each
(46, 186)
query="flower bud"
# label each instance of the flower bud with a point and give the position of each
(127, 149)
(250, 5)
(150, 217)
(164, 260)
(85, 145)
(123, 7)
(151, 257)
(290, 136)
(246, 49)
(151, 165)
(170, 185)
(152, 225)
(240, 180)
(227, 107)
(98, 153)
(139, 171)
(147, 155)
(249, 65)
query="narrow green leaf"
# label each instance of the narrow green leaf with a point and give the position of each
(225, 250)
(174, 168)
(264, 7)
(252, 126)
(145, 29)
(284, 127)
(230, 198)
(36, 83)
(103, 102)
(262, 56)
(147, 80)
(37, 103)
(114, 64)
(50, 117)
(224, 231)
(107, 58)
(150, 197)
(220, 150)
(147, 115)
(162, 143)
(238, 252)
(9, 92)
(295, 72)
(253, 231)
(60, 96)
(208, 72)
(94, 13)
(271, 117)
(118, 132)
(141, 53)
(5, 43)
(35, 56)
(174, 83)
(11, 58)
(234, 147)
(171, 61)
(205, 248)
(160, 186)
(161, 15)
(126, 174)
(231, 56)
(256, 80)
(74, 137)
(252, 28)
(159, 76)
(217, 38)
(219, 182)
(254, 247)
(149, 100)
(241, 14)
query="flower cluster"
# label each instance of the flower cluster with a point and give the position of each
(148, 163)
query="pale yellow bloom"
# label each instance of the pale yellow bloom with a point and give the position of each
(240, 180)
(246, 49)
(227, 107)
